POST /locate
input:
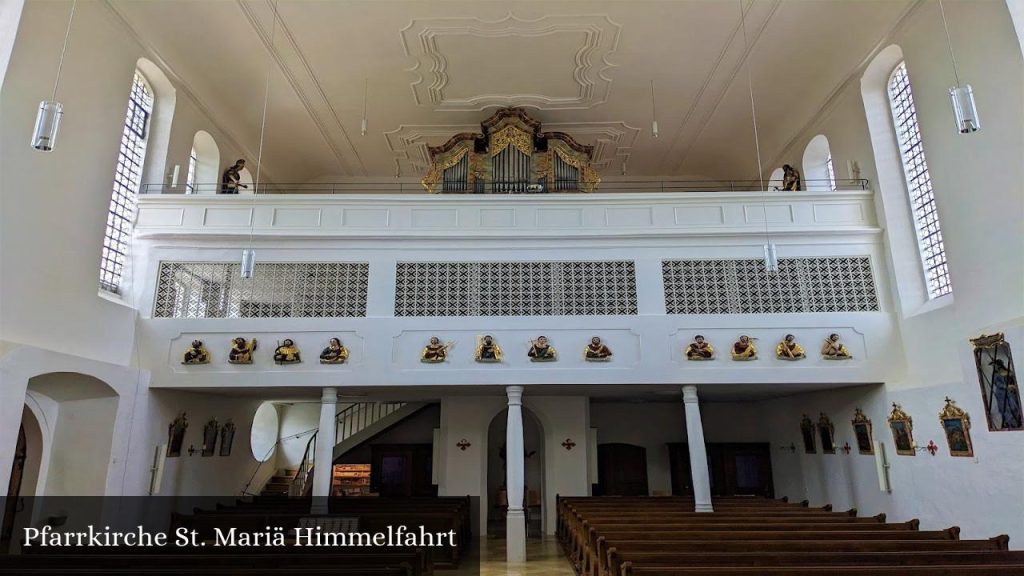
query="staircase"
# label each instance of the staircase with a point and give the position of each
(280, 483)
(355, 424)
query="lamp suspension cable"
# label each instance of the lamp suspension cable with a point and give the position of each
(654, 113)
(771, 258)
(362, 126)
(44, 134)
(249, 254)
(949, 44)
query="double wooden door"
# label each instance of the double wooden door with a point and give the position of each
(621, 470)
(402, 469)
(735, 469)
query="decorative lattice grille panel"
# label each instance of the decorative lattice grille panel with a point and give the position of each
(294, 290)
(842, 284)
(515, 288)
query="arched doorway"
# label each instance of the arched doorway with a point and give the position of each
(533, 494)
(24, 477)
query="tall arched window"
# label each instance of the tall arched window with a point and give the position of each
(206, 157)
(190, 182)
(919, 183)
(127, 179)
(818, 172)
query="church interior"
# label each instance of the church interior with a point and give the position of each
(601, 288)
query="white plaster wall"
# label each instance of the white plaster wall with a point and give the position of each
(650, 425)
(81, 448)
(57, 202)
(296, 418)
(565, 469)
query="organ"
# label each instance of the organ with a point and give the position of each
(510, 155)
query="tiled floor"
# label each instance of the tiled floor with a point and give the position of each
(544, 558)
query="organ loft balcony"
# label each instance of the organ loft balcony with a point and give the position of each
(643, 270)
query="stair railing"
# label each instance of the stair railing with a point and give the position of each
(304, 477)
(357, 417)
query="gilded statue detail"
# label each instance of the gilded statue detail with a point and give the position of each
(542, 351)
(833, 349)
(597, 351)
(487, 350)
(788, 349)
(241, 351)
(335, 353)
(196, 354)
(287, 353)
(435, 352)
(744, 349)
(699, 349)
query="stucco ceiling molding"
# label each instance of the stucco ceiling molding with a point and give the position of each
(586, 65)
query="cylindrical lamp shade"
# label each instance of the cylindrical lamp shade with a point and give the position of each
(771, 258)
(44, 137)
(654, 128)
(248, 262)
(964, 110)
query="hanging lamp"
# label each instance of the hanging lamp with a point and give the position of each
(44, 135)
(965, 112)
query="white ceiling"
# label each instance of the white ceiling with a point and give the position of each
(584, 67)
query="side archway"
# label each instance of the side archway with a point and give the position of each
(207, 163)
(817, 162)
(159, 137)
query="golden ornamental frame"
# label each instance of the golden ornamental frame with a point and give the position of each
(902, 427)
(807, 434)
(956, 425)
(862, 429)
(825, 425)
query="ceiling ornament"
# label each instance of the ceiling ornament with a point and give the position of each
(586, 64)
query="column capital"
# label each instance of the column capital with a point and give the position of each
(329, 396)
(515, 395)
(689, 393)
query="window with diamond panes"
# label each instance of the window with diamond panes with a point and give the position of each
(127, 179)
(515, 288)
(276, 290)
(842, 284)
(919, 184)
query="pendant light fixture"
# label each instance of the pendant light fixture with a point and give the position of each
(249, 254)
(965, 113)
(44, 136)
(771, 258)
(654, 114)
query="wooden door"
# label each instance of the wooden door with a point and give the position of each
(402, 470)
(622, 470)
(14, 486)
(734, 469)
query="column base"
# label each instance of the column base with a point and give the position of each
(515, 536)
(702, 507)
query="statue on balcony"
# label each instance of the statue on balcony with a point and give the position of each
(790, 178)
(435, 352)
(196, 354)
(287, 353)
(788, 349)
(335, 353)
(597, 351)
(744, 349)
(241, 351)
(231, 181)
(699, 349)
(833, 349)
(487, 350)
(541, 350)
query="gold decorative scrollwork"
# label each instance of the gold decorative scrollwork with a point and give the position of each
(511, 136)
(436, 172)
(589, 179)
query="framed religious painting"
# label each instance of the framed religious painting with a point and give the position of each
(210, 432)
(807, 432)
(902, 427)
(176, 435)
(227, 437)
(862, 432)
(998, 382)
(957, 426)
(827, 433)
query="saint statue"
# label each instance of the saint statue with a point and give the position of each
(241, 351)
(788, 349)
(790, 178)
(597, 351)
(833, 349)
(196, 354)
(287, 353)
(744, 349)
(487, 350)
(699, 349)
(541, 350)
(435, 352)
(335, 353)
(231, 181)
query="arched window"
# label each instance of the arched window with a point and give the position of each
(127, 180)
(819, 174)
(919, 183)
(775, 180)
(190, 182)
(206, 156)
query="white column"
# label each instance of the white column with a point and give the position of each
(323, 460)
(515, 480)
(698, 452)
